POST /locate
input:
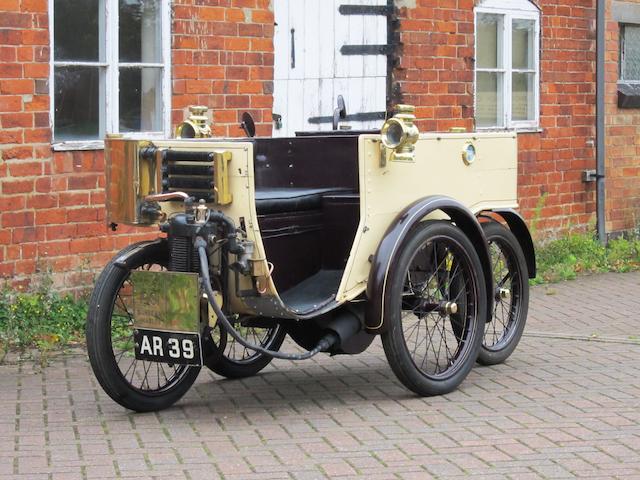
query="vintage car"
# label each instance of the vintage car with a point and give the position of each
(330, 238)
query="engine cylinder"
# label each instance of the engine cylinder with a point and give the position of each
(183, 257)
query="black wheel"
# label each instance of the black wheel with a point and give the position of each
(237, 361)
(437, 309)
(511, 295)
(139, 385)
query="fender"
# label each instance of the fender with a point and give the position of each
(519, 228)
(159, 247)
(395, 236)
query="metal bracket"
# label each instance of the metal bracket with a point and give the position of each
(590, 176)
(352, 117)
(277, 118)
(366, 50)
(384, 10)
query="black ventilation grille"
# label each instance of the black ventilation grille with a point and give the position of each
(189, 172)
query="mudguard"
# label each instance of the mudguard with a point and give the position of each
(159, 247)
(519, 228)
(394, 238)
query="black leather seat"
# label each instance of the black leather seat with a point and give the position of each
(281, 200)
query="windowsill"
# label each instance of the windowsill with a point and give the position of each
(516, 130)
(75, 145)
(628, 94)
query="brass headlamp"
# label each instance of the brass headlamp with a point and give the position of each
(399, 135)
(196, 126)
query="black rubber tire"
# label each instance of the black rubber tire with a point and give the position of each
(231, 368)
(393, 339)
(518, 308)
(99, 341)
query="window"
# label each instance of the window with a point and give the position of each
(630, 53)
(507, 64)
(110, 68)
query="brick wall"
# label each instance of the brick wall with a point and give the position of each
(436, 73)
(622, 168)
(436, 62)
(223, 58)
(52, 204)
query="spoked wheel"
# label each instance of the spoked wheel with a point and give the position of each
(237, 361)
(139, 385)
(437, 309)
(511, 295)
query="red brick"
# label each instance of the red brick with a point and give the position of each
(16, 186)
(16, 86)
(17, 219)
(13, 120)
(52, 216)
(25, 169)
(82, 182)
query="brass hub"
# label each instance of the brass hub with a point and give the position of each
(448, 308)
(503, 294)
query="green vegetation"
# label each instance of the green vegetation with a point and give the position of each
(567, 257)
(39, 319)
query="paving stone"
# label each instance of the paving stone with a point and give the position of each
(564, 405)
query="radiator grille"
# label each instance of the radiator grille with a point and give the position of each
(189, 172)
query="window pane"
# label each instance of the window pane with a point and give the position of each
(489, 41)
(140, 99)
(489, 94)
(76, 30)
(523, 32)
(77, 103)
(140, 31)
(631, 65)
(522, 99)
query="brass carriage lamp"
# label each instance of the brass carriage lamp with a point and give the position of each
(196, 125)
(399, 135)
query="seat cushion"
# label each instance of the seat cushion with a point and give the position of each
(280, 200)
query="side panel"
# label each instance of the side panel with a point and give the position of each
(489, 183)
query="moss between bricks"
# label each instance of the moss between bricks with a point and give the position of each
(46, 321)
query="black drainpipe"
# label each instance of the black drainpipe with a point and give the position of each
(600, 116)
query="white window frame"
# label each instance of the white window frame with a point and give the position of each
(621, 78)
(510, 10)
(109, 81)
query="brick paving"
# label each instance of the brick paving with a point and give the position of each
(567, 404)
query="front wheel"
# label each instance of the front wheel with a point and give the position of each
(511, 295)
(138, 385)
(436, 310)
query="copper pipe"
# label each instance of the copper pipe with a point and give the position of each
(163, 197)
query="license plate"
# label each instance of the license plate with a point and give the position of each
(167, 347)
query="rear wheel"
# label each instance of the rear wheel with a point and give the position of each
(437, 309)
(511, 295)
(139, 385)
(237, 361)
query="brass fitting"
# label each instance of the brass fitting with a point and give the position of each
(196, 125)
(399, 134)
(503, 294)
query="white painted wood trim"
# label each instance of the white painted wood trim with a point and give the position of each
(513, 5)
(109, 77)
(516, 10)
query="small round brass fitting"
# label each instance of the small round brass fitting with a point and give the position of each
(195, 126)
(504, 293)
(449, 308)
(399, 133)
